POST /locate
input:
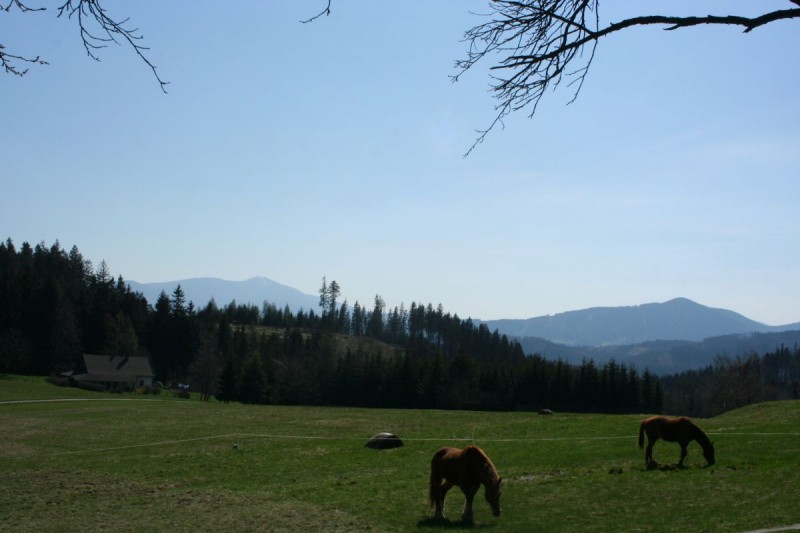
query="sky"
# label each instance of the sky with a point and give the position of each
(296, 151)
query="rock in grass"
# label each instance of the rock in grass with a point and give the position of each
(384, 441)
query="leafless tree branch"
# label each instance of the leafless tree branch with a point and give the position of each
(89, 12)
(19, 4)
(326, 11)
(9, 61)
(97, 29)
(537, 40)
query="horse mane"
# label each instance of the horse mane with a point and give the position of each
(698, 434)
(483, 459)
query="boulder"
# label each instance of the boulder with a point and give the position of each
(384, 441)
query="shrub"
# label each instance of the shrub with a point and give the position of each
(148, 389)
(57, 381)
(90, 386)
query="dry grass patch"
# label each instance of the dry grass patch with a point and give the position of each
(72, 500)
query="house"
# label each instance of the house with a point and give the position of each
(115, 372)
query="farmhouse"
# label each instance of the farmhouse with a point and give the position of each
(114, 372)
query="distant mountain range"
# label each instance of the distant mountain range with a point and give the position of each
(665, 337)
(678, 319)
(253, 291)
(666, 356)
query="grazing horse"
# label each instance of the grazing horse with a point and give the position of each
(680, 430)
(469, 468)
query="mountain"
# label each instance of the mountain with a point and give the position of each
(664, 337)
(254, 291)
(668, 356)
(678, 319)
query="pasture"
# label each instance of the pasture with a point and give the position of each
(102, 462)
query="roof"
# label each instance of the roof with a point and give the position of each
(112, 368)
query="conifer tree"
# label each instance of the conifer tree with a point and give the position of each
(227, 386)
(253, 381)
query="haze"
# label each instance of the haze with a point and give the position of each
(335, 149)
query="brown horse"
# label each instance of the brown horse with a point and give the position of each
(680, 430)
(467, 468)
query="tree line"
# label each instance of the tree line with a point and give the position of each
(735, 381)
(55, 306)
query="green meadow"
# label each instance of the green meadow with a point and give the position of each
(74, 460)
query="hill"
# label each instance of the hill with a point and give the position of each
(253, 291)
(677, 319)
(668, 356)
(665, 338)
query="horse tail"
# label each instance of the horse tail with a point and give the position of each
(641, 435)
(433, 490)
(435, 480)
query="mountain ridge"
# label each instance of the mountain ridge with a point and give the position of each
(676, 319)
(666, 356)
(252, 291)
(679, 319)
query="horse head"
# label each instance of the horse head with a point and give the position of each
(492, 484)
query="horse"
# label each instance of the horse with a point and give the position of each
(680, 430)
(468, 468)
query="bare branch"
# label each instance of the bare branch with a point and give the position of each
(536, 40)
(97, 30)
(7, 62)
(326, 12)
(90, 11)
(21, 6)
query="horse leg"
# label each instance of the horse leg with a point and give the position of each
(440, 499)
(648, 453)
(684, 452)
(469, 492)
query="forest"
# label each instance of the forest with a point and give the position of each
(55, 305)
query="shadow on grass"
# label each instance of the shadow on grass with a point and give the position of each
(445, 524)
(665, 467)
(669, 468)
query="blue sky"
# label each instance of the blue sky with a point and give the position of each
(335, 149)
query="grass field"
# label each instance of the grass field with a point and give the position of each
(137, 463)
